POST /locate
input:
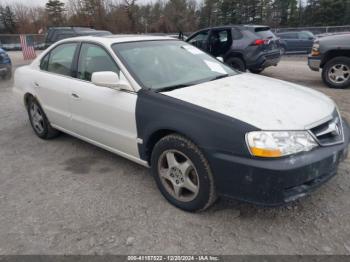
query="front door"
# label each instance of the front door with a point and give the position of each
(220, 41)
(306, 41)
(200, 40)
(101, 114)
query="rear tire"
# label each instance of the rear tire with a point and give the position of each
(336, 72)
(39, 121)
(182, 173)
(236, 63)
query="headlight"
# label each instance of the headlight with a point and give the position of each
(315, 49)
(278, 144)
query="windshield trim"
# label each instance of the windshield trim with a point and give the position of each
(138, 80)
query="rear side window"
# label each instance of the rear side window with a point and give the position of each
(289, 36)
(305, 35)
(61, 59)
(264, 32)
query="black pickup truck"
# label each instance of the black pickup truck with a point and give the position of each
(332, 55)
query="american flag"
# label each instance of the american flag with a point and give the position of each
(27, 45)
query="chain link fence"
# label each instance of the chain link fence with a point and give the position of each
(11, 42)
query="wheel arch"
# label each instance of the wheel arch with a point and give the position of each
(26, 98)
(333, 54)
(157, 135)
(235, 54)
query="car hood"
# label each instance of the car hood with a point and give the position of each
(263, 102)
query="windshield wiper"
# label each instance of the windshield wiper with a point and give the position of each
(170, 88)
(219, 77)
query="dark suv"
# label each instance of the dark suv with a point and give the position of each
(5, 64)
(242, 47)
(296, 41)
(55, 34)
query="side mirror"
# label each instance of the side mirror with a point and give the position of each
(220, 59)
(110, 79)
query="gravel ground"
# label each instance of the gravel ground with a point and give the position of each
(68, 197)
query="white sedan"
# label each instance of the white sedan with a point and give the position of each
(204, 129)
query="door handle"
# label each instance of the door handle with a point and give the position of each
(36, 84)
(75, 96)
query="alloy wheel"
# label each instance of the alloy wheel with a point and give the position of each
(37, 118)
(178, 175)
(339, 73)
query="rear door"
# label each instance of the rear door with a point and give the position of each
(53, 82)
(101, 114)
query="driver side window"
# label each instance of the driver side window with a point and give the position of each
(94, 58)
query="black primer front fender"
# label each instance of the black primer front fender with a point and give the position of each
(212, 132)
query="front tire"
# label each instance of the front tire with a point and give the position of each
(336, 72)
(182, 174)
(39, 121)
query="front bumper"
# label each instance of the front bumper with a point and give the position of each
(314, 63)
(273, 182)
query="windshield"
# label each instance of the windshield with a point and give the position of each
(161, 65)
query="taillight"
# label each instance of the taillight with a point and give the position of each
(259, 42)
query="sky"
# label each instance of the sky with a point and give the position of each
(40, 2)
(27, 2)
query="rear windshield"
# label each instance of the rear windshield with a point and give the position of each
(264, 32)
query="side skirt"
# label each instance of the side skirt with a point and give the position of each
(110, 149)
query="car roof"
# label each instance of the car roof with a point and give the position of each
(286, 33)
(294, 32)
(111, 39)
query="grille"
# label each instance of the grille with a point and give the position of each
(330, 132)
